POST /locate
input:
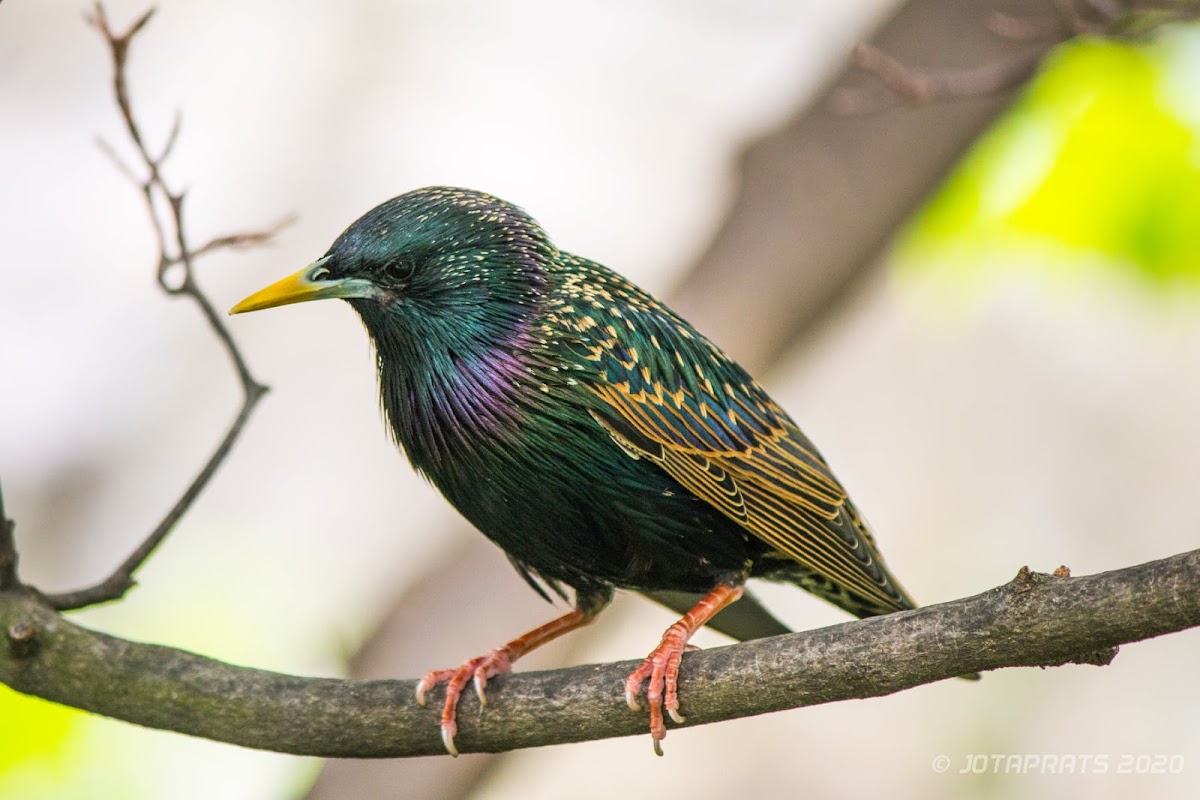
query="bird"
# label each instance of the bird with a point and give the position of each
(599, 439)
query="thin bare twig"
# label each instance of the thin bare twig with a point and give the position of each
(176, 256)
(242, 239)
(8, 550)
(1109, 10)
(121, 579)
(1025, 27)
(911, 86)
(915, 87)
(1076, 20)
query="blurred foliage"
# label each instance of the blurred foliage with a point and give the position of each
(34, 733)
(1095, 169)
(50, 752)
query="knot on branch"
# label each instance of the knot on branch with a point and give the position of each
(22, 639)
(1027, 580)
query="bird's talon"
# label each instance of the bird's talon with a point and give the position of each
(431, 680)
(633, 686)
(476, 670)
(675, 715)
(658, 751)
(423, 686)
(448, 740)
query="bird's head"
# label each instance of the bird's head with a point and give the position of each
(455, 262)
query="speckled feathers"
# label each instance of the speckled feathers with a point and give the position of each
(593, 434)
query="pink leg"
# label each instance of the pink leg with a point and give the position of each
(497, 662)
(662, 665)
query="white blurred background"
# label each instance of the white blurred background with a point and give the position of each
(1037, 428)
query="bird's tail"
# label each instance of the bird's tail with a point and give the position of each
(857, 605)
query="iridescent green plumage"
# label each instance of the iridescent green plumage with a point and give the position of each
(672, 398)
(580, 424)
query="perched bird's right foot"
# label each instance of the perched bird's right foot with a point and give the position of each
(497, 662)
(661, 667)
(479, 669)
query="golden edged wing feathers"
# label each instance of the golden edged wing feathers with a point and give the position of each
(723, 439)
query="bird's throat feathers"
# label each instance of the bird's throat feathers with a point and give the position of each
(461, 278)
(450, 383)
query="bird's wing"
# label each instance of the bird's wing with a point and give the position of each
(669, 395)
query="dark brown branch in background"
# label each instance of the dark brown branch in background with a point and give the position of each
(913, 86)
(821, 197)
(916, 86)
(907, 84)
(177, 278)
(1026, 28)
(1034, 620)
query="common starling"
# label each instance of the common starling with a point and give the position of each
(594, 435)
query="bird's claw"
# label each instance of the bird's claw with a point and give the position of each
(448, 732)
(476, 670)
(430, 680)
(662, 693)
(480, 684)
(633, 687)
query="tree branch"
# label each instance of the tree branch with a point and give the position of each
(917, 87)
(165, 207)
(1034, 620)
(1089, 18)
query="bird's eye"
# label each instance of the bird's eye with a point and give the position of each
(398, 269)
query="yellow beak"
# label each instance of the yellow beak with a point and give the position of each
(310, 283)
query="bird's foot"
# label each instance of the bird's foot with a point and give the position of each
(662, 665)
(479, 669)
(662, 668)
(497, 662)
